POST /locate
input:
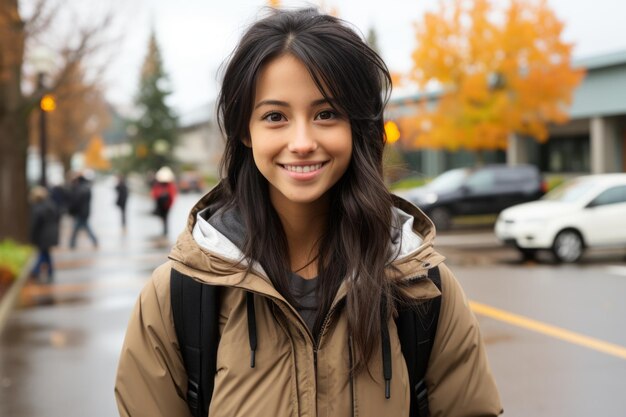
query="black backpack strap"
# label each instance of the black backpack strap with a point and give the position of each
(416, 329)
(195, 309)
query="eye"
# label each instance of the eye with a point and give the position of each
(326, 115)
(273, 117)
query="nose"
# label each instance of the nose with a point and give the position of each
(303, 140)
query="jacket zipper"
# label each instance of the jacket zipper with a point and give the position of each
(317, 342)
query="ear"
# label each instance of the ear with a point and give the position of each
(247, 142)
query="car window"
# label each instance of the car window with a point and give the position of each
(449, 180)
(571, 190)
(613, 195)
(481, 181)
(514, 176)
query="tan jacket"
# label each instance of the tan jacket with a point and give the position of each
(285, 382)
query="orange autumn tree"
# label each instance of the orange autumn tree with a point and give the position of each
(94, 154)
(81, 113)
(498, 70)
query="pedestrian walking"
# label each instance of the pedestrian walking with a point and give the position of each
(59, 195)
(121, 189)
(301, 258)
(163, 193)
(80, 209)
(44, 232)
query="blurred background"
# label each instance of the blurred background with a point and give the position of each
(506, 125)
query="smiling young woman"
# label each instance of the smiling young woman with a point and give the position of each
(313, 257)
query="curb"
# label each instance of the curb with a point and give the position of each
(7, 302)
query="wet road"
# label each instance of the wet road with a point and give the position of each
(554, 333)
(555, 336)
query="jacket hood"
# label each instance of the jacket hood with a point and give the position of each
(210, 256)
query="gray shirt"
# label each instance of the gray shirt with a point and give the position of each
(304, 291)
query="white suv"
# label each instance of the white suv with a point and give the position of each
(588, 211)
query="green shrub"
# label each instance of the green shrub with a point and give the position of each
(13, 257)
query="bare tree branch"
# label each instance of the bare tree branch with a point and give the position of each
(89, 42)
(41, 19)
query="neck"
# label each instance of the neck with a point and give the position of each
(304, 225)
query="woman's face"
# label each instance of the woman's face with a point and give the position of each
(301, 145)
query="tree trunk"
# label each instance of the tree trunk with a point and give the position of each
(14, 211)
(66, 161)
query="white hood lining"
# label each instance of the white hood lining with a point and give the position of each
(404, 240)
(209, 238)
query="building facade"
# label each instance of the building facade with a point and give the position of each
(200, 144)
(593, 141)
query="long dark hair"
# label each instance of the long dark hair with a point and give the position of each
(356, 243)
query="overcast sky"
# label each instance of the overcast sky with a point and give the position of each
(197, 35)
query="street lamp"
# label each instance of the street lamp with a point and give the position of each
(43, 62)
(392, 133)
(46, 105)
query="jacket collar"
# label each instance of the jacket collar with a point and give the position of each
(208, 256)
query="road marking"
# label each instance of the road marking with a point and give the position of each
(550, 330)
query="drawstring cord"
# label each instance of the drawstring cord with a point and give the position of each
(386, 349)
(251, 327)
(351, 363)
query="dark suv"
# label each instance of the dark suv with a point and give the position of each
(471, 191)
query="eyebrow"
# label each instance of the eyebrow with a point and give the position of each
(280, 103)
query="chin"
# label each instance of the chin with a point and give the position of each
(304, 199)
(301, 196)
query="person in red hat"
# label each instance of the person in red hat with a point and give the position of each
(163, 193)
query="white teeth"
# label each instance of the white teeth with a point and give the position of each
(302, 168)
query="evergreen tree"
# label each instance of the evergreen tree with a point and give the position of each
(156, 128)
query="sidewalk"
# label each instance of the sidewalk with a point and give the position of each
(59, 350)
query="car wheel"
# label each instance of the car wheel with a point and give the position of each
(442, 218)
(568, 246)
